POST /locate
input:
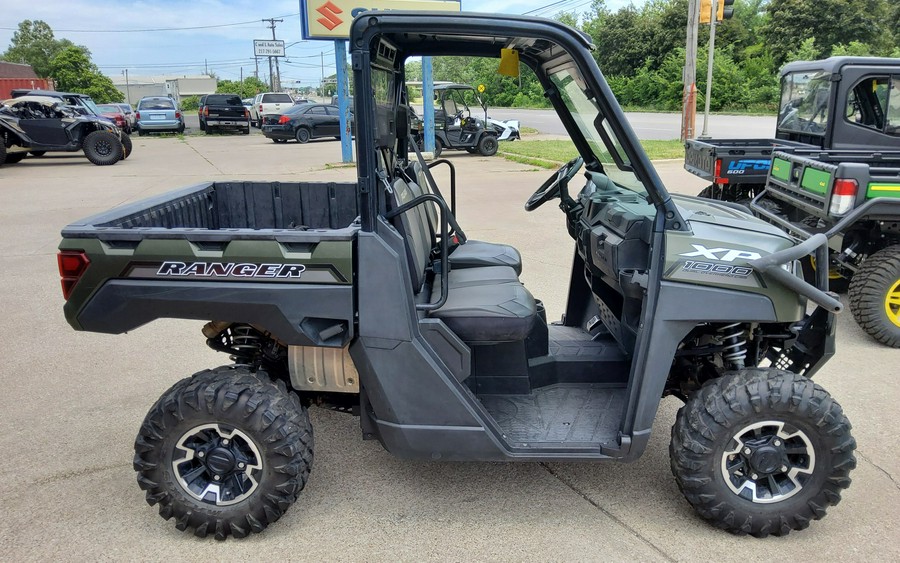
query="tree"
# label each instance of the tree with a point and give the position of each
(34, 44)
(250, 87)
(829, 22)
(73, 70)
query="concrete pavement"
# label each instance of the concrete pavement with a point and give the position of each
(72, 403)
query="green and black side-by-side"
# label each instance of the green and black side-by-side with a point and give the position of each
(368, 298)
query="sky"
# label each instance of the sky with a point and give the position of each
(225, 51)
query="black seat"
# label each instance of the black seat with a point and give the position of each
(474, 253)
(487, 304)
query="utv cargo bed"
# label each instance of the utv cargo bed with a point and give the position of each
(230, 210)
(222, 251)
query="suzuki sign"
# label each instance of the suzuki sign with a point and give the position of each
(330, 19)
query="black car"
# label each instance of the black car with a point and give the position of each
(304, 122)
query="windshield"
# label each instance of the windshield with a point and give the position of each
(596, 130)
(89, 103)
(109, 108)
(804, 102)
(156, 103)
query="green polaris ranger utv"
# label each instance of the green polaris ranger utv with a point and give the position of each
(368, 298)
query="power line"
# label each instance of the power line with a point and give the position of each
(193, 28)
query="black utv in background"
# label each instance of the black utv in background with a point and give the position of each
(837, 103)
(40, 124)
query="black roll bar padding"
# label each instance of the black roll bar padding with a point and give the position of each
(446, 217)
(452, 183)
(771, 266)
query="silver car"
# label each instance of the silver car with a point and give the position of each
(158, 114)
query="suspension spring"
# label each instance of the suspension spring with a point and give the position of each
(733, 337)
(242, 342)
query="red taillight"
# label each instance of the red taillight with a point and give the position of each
(246, 112)
(845, 187)
(718, 173)
(137, 115)
(205, 111)
(177, 115)
(260, 108)
(72, 264)
(283, 119)
(843, 196)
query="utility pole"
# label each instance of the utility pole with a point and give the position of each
(714, 8)
(256, 73)
(272, 84)
(127, 89)
(205, 68)
(689, 96)
(322, 84)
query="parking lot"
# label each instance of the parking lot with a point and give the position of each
(72, 403)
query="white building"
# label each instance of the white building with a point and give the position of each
(172, 86)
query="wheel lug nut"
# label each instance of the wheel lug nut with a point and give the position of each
(216, 477)
(200, 454)
(777, 442)
(242, 465)
(225, 442)
(747, 451)
(784, 468)
(753, 476)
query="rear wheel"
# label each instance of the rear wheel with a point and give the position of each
(12, 158)
(875, 296)
(3, 153)
(38, 154)
(246, 131)
(103, 148)
(488, 145)
(225, 452)
(126, 146)
(302, 135)
(762, 451)
(141, 132)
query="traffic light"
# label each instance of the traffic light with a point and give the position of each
(705, 10)
(725, 11)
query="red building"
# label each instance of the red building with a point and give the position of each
(14, 75)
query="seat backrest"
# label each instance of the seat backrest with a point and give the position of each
(430, 208)
(413, 225)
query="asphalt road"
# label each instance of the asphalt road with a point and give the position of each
(647, 126)
(652, 126)
(72, 403)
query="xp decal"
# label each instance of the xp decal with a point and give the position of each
(712, 254)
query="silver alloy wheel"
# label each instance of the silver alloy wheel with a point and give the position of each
(767, 463)
(218, 465)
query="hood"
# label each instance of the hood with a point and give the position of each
(696, 209)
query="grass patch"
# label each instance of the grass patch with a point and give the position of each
(528, 131)
(550, 154)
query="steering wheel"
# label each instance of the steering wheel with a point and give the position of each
(550, 188)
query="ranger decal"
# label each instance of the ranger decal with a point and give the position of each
(230, 269)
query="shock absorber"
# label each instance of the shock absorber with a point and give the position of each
(733, 337)
(241, 342)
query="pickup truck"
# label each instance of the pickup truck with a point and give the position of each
(367, 298)
(853, 198)
(219, 112)
(837, 103)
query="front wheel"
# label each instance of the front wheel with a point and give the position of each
(225, 452)
(103, 148)
(875, 296)
(762, 451)
(488, 145)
